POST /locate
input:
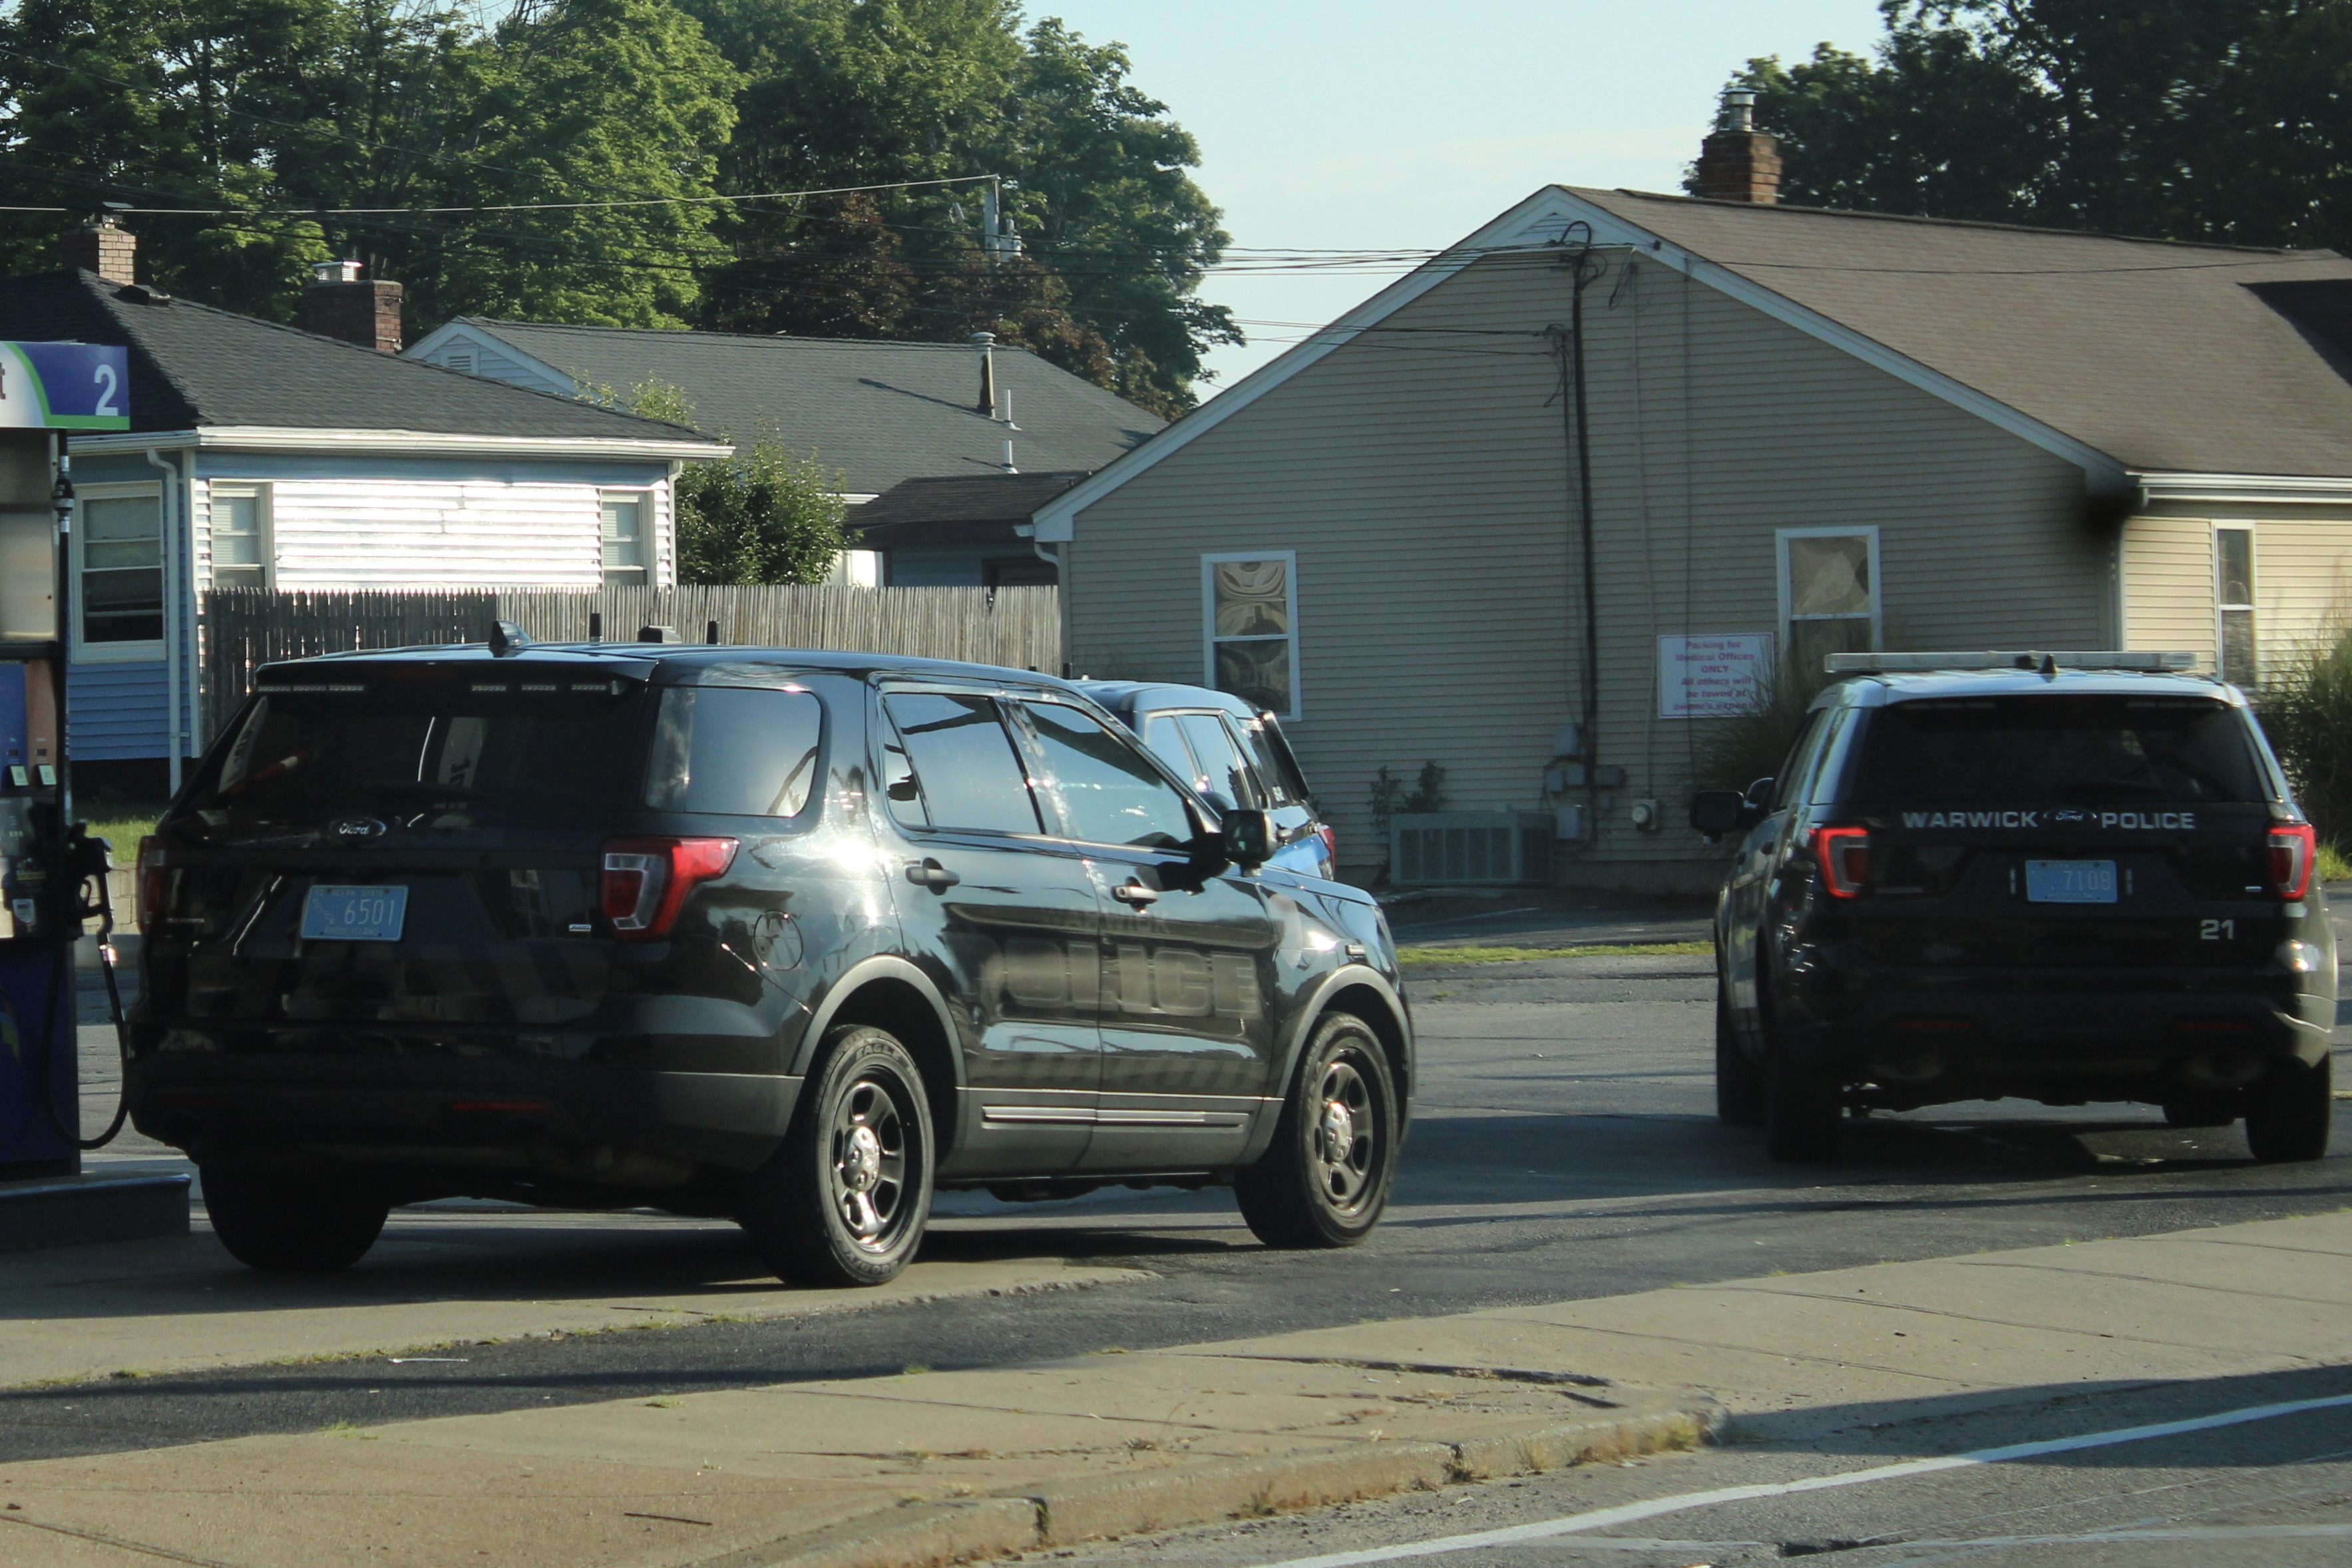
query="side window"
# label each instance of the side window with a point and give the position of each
(958, 768)
(1275, 765)
(1108, 793)
(1788, 783)
(1223, 771)
(735, 750)
(1166, 741)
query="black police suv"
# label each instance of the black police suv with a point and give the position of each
(792, 938)
(2066, 884)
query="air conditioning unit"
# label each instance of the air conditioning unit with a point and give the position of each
(1468, 848)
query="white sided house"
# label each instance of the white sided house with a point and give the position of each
(1547, 510)
(260, 456)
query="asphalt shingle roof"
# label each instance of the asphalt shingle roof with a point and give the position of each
(193, 366)
(881, 412)
(2165, 357)
(980, 509)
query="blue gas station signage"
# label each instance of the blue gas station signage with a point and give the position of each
(64, 386)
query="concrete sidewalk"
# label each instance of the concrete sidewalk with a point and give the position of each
(925, 1468)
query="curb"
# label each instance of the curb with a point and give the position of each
(930, 1535)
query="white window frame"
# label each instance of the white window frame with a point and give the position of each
(648, 518)
(150, 651)
(1208, 639)
(264, 526)
(2251, 605)
(1867, 531)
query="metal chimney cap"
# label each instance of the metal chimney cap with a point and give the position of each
(335, 271)
(984, 340)
(1740, 107)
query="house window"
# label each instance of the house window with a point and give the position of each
(626, 544)
(2233, 602)
(1251, 604)
(240, 526)
(119, 543)
(1829, 594)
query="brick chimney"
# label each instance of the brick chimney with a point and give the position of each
(340, 305)
(1739, 163)
(102, 246)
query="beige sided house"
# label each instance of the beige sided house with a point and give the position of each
(1805, 431)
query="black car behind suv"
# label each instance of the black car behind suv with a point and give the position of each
(792, 938)
(2062, 883)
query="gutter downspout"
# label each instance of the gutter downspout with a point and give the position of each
(171, 564)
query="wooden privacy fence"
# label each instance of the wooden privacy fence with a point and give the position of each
(246, 627)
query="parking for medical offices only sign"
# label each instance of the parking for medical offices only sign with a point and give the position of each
(1717, 677)
(64, 386)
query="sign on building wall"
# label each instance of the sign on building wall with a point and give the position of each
(1717, 677)
(64, 386)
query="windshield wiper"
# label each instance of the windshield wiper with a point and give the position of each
(419, 789)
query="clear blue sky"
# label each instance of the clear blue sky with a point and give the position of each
(1375, 124)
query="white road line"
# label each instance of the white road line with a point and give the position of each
(1627, 1514)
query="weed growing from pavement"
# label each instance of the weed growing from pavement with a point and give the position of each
(1413, 957)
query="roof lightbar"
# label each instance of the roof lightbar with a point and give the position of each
(2033, 659)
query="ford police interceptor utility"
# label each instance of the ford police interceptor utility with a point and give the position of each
(790, 938)
(2063, 876)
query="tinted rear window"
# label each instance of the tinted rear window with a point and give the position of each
(2086, 750)
(298, 758)
(737, 751)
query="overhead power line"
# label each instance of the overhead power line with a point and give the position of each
(511, 206)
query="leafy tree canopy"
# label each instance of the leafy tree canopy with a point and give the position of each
(255, 105)
(2227, 121)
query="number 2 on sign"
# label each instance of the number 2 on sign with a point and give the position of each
(2218, 930)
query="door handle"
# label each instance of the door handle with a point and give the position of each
(1135, 894)
(932, 875)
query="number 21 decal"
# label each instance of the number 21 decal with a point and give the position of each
(2218, 930)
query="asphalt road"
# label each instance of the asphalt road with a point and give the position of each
(1564, 1146)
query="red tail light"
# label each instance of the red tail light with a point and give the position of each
(1330, 846)
(153, 883)
(1844, 857)
(2293, 852)
(646, 880)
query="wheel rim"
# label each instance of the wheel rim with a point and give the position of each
(867, 1171)
(1346, 1141)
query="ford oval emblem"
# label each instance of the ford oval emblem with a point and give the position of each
(355, 829)
(2070, 814)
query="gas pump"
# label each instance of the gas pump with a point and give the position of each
(52, 874)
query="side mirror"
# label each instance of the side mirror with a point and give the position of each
(1247, 838)
(1716, 812)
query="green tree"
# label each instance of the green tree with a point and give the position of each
(2226, 120)
(760, 516)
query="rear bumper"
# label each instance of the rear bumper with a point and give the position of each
(506, 1118)
(2190, 1030)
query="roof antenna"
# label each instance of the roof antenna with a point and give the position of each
(506, 639)
(2049, 666)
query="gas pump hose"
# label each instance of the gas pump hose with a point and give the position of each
(102, 907)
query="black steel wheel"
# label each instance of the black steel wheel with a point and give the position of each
(1325, 1180)
(2291, 1111)
(1739, 1081)
(290, 1226)
(844, 1201)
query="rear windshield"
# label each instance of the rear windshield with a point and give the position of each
(2085, 750)
(447, 756)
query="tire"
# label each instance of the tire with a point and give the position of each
(843, 1201)
(1739, 1081)
(2290, 1111)
(1800, 1110)
(2188, 1110)
(1325, 1180)
(285, 1228)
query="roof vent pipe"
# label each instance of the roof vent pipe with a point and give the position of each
(986, 343)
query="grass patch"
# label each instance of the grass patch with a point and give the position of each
(121, 823)
(1412, 957)
(2332, 867)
